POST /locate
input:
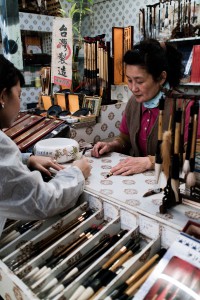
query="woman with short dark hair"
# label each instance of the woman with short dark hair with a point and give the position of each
(23, 194)
(151, 68)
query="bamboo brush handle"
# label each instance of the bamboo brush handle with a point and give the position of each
(160, 125)
(123, 259)
(177, 138)
(114, 257)
(142, 269)
(194, 134)
(130, 291)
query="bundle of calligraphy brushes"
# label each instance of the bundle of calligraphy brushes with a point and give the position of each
(90, 62)
(40, 246)
(68, 275)
(107, 272)
(17, 232)
(158, 157)
(130, 286)
(44, 269)
(175, 165)
(186, 164)
(190, 179)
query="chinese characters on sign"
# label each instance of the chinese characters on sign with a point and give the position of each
(62, 52)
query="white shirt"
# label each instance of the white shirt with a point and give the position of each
(25, 196)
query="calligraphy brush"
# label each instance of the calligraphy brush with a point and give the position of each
(143, 22)
(152, 192)
(175, 166)
(105, 276)
(17, 232)
(189, 18)
(85, 61)
(181, 150)
(108, 175)
(113, 258)
(186, 164)
(83, 264)
(132, 289)
(62, 254)
(166, 21)
(49, 240)
(158, 158)
(121, 288)
(112, 241)
(64, 274)
(165, 150)
(53, 260)
(191, 180)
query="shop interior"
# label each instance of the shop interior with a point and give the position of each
(127, 237)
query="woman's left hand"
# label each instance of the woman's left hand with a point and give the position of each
(43, 163)
(132, 165)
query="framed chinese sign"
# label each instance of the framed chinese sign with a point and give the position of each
(62, 52)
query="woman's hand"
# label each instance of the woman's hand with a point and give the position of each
(100, 148)
(43, 163)
(84, 165)
(132, 165)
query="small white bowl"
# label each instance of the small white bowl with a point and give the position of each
(61, 149)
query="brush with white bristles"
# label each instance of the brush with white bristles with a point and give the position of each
(158, 157)
(191, 179)
(186, 164)
(175, 166)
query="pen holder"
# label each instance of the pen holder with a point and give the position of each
(170, 199)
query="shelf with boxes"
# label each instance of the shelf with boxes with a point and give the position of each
(189, 48)
(36, 34)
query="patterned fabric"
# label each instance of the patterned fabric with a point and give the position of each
(128, 191)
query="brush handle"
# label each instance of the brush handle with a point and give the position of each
(146, 266)
(178, 115)
(190, 131)
(194, 135)
(84, 257)
(118, 254)
(130, 291)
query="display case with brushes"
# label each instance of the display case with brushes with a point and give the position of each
(95, 237)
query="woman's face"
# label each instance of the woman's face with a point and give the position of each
(141, 83)
(11, 101)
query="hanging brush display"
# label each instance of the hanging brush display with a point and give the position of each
(190, 179)
(177, 167)
(172, 138)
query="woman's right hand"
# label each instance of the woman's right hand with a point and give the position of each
(100, 148)
(84, 165)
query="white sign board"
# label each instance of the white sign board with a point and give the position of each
(61, 65)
